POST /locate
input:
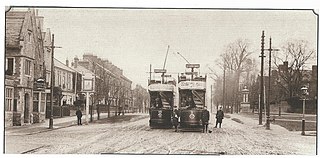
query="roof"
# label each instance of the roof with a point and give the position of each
(60, 65)
(125, 78)
(14, 24)
(80, 69)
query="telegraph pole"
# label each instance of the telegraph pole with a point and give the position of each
(211, 100)
(51, 83)
(150, 73)
(269, 86)
(261, 79)
(93, 99)
(223, 89)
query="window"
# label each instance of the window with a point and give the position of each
(9, 99)
(69, 83)
(9, 66)
(27, 67)
(64, 81)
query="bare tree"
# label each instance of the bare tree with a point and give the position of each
(290, 61)
(236, 60)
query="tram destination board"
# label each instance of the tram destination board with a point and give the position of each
(160, 70)
(192, 65)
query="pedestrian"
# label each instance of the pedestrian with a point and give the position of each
(219, 117)
(175, 122)
(205, 120)
(79, 115)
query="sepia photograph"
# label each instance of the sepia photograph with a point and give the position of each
(160, 81)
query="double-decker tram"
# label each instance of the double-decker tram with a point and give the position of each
(192, 91)
(161, 100)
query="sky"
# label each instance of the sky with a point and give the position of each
(132, 39)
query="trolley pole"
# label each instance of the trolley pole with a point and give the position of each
(261, 79)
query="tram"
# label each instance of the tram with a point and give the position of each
(161, 100)
(192, 92)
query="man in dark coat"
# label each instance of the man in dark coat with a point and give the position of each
(205, 120)
(79, 115)
(219, 117)
(175, 122)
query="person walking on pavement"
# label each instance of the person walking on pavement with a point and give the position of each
(205, 120)
(175, 122)
(219, 117)
(79, 115)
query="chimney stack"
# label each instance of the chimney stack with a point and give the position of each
(76, 60)
(67, 62)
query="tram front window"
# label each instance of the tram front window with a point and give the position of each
(190, 99)
(161, 100)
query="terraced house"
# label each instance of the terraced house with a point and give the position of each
(24, 54)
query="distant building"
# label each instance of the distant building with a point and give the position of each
(285, 84)
(141, 101)
(64, 79)
(112, 87)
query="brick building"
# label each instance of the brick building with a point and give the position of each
(112, 87)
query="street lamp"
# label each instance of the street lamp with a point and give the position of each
(304, 94)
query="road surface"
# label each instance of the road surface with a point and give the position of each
(131, 134)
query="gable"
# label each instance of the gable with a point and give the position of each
(14, 25)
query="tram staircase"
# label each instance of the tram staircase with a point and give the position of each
(198, 100)
(164, 101)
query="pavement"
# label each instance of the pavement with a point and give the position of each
(58, 123)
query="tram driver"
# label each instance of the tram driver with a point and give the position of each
(158, 103)
(190, 103)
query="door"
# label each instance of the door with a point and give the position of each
(26, 107)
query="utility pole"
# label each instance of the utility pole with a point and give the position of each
(92, 98)
(261, 79)
(211, 100)
(150, 73)
(269, 86)
(223, 88)
(52, 82)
